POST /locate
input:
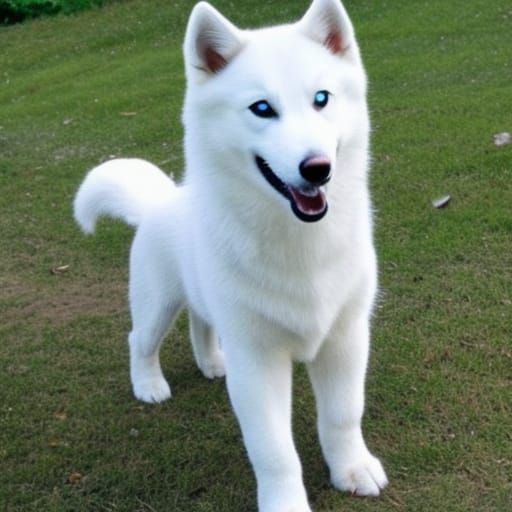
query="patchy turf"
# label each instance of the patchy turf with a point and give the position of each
(76, 90)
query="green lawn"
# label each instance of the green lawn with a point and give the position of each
(75, 90)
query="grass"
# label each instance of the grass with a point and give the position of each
(76, 90)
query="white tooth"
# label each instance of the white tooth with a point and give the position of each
(309, 192)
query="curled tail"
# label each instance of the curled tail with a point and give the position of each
(121, 188)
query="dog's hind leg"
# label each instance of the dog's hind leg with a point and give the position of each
(155, 301)
(145, 339)
(156, 297)
(205, 344)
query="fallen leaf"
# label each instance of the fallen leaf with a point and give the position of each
(441, 202)
(128, 114)
(61, 416)
(59, 270)
(501, 139)
(75, 477)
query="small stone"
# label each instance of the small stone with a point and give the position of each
(501, 139)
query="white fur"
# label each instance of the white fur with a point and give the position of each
(226, 245)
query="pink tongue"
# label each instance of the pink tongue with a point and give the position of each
(310, 204)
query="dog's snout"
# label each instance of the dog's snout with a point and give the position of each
(316, 169)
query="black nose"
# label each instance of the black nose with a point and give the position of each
(316, 169)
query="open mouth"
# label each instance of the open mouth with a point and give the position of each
(308, 203)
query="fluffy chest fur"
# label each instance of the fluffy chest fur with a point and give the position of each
(243, 253)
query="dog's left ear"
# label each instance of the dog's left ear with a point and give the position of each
(211, 40)
(327, 22)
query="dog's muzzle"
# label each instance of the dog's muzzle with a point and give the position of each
(308, 202)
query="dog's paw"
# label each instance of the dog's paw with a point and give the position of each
(293, 508)
(152, 390)
(213, 366)
(365, 477)
(300, 506)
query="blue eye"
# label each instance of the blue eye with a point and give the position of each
(321, 99)
(262, 109)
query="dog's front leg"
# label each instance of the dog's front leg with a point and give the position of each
(338, 376)
(259, 380)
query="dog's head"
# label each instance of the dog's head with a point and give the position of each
(280, 105)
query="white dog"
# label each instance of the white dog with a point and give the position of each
(267, 242)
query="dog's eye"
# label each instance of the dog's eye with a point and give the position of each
(262, 109)
(321, 99)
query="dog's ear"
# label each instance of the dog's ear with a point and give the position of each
(327, 22)
(211, 40)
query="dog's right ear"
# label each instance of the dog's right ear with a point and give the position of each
(211, 40)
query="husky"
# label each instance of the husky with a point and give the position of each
(267, 241)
